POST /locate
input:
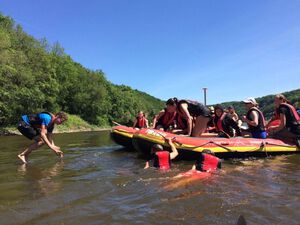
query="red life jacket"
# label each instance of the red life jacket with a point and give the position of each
(141, 122)
(208, 163)
(219, 125)
(293, 110)
(168, 118)
(162, 160)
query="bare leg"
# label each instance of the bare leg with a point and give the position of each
(24, 155)
(200, 126)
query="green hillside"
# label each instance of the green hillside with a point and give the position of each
(266, 103)
(36, 76)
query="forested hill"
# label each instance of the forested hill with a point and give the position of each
(36, 76)
(266, 103)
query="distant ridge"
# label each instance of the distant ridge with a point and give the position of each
(266, 103)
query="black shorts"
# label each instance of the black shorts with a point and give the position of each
(28, 131)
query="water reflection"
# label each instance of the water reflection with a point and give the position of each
(42, 182)
(104, 184)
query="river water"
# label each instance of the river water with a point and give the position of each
(99, 182)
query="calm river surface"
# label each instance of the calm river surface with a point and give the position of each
(99, 182)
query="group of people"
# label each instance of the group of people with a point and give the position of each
(192, 118)
(185, 117)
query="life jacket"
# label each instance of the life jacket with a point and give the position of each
(219, 124)
(168, 119)
(261, 120)
(141, 122)
(293, 112)
(181, 122)
(208, 163)
(35, 120)
(162, 160)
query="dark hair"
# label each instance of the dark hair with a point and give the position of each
(230, 107)
(172, 101)
(208, 151)
(156, 147)
(219, 107)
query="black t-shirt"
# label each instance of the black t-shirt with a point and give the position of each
(291, 121)
(195, 108)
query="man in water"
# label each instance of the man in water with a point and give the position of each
(39, 127)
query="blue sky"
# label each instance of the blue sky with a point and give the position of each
(173, 48)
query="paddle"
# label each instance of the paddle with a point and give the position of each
(118, 124)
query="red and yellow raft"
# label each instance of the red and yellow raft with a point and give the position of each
(122, 135)
(191, 147)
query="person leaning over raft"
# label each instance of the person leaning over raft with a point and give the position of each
(140, 121)
(169, 120)
(39, 127)
(224, 123)
(289, 127)
(189, 109)
(161, 158)
(255, 119)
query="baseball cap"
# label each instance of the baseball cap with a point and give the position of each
(250, 100)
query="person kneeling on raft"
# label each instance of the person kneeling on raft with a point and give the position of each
(162, 158)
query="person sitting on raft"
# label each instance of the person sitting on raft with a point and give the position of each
(289, 127)
(191, 109)
(140, 121)
(169, 120)
(162, 158)
(210, 125)
(39, 127)
(232, 113)
(255, 119)
(224, 123)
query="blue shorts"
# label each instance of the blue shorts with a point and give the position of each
(259, 134)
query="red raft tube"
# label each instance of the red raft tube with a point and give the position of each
(191, 147)
(122, 135)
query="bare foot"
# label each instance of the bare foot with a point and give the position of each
(23, 158)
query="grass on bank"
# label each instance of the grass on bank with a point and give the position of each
(73, 124)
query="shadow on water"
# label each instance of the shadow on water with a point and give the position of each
(98, 182)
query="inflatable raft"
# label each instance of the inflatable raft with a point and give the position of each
(122, 135)
(191, 147)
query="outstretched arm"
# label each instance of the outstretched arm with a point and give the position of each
(134, 123)
(174, 152)
(188, 117)
(44, 136)
(157, 117)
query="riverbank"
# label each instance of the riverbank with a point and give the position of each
(73, 124)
